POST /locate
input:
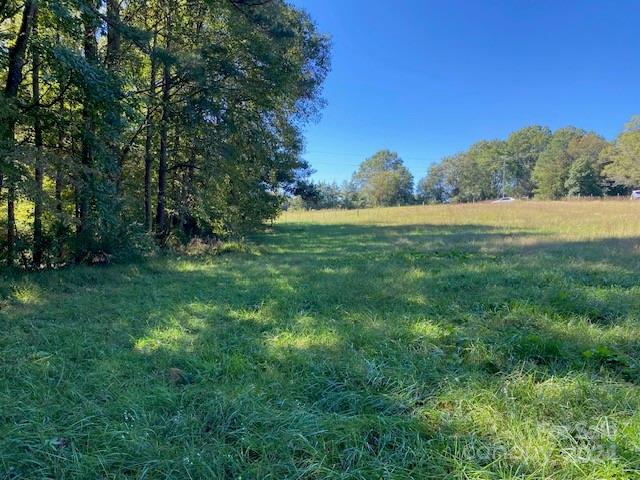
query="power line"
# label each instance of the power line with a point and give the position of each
(335, 164)
(412, 159)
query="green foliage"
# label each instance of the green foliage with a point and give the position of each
(351, 196)
(487, 170)
(552, 169)
(524, 148)
(623, 156)
(434, 188)
(570, 165)
(583, 179)
(383, 180)
(191, 109)
(534, 160)
(321, 195)
(480, 172)
(330, 196)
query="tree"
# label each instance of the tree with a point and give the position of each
(38, 235)
(622, 158)
(585, 173)
(434, 187)
(351, 197)
(442, 183)
(552, 170)
(330, 195)
(481, 171)
(383, 180)
(8, 113)
(307, 194)
(583, 179)
(524, 148)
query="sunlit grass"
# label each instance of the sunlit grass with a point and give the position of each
(26, 294)
(463, 341)
(570, 219)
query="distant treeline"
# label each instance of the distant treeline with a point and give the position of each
(531, 162)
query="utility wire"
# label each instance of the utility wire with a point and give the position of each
(320, 152)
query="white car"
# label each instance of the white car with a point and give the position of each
(504, 200)
(635, 195)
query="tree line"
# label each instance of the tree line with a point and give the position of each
(128, 123)
(533, 162)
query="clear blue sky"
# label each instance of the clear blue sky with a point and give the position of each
(429, 78)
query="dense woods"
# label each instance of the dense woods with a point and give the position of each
(531, 162)
(126, 124)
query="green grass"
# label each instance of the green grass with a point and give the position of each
(474, 341)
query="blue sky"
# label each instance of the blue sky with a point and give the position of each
(429, 78)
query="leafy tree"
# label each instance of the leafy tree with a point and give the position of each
(552, 170)
(466, 173)
(585, 173)
(523, 148)
(482, 171)
(383, 180)
(307, 192)
(434, 187)
(443, 181)
(15, 61)
(583, 178)
(351, 196)
(316, 196)
(622, 158)
(330, 195)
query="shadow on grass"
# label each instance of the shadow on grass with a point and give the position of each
(335, 351)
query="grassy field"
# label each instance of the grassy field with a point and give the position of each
(474, 341)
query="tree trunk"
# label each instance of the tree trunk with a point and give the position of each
(161, 220)
(187, 201)
(59, 182)
(113, 62)
(14, 77)
(38, 245)
(17, 52)
(148, 145)
(60, 228)
(85, 186)
(114, 39)
(164, 151)
(177, 174)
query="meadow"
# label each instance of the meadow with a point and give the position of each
(464, 341)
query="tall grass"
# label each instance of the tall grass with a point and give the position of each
(569, 219)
